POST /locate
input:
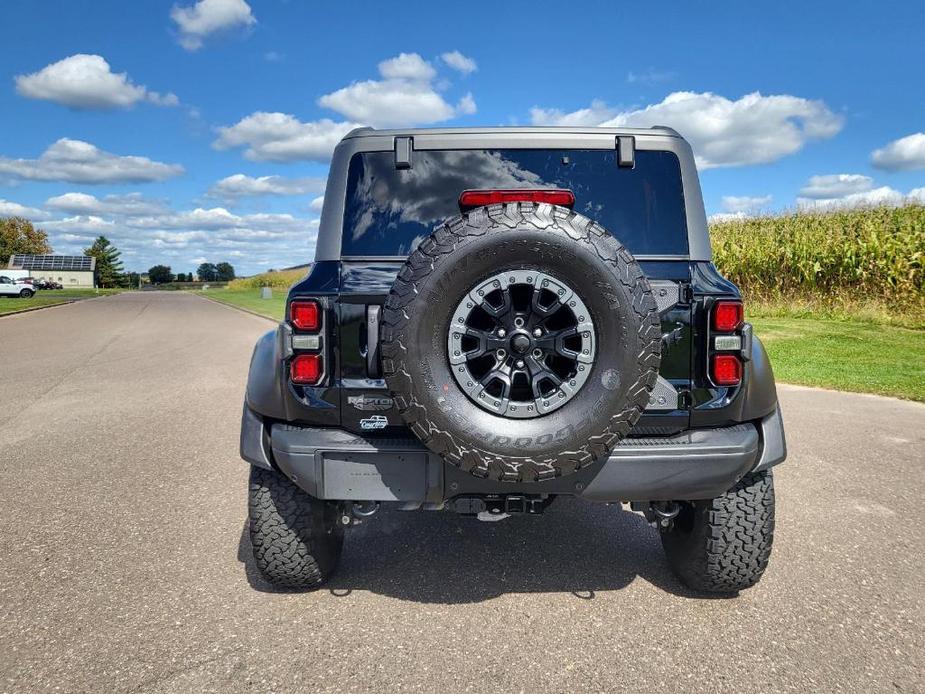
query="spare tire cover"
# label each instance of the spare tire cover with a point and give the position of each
(509, 380)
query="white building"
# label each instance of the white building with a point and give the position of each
(66, 270)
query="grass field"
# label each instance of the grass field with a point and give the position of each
(46, 297)
(846, 355)
(250, 299)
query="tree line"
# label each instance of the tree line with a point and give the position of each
(206, 272)
(18, 236)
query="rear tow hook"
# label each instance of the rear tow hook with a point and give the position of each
(355, 511)
(663, 514)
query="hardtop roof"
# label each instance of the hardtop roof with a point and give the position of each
(660, 130)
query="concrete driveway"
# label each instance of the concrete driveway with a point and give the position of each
(125, 567)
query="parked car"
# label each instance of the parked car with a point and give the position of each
(50, 284)
(9, 287)
(499, 317)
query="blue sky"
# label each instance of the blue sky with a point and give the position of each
(157, 124)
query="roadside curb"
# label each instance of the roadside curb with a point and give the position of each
(235, 308)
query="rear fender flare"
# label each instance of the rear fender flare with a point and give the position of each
(760, 396)
(265, 384)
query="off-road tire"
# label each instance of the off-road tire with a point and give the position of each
(26, 294)
(296, 538)
(723, 545)
(476, 245)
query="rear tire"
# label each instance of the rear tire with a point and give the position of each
(723, 545)
(296, 538)
(26, 293)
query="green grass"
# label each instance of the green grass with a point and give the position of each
(846, 355)
(250, 299)
(49, 297)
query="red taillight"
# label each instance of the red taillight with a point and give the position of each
(727, 316)
(479, 198)
(727, 370)
(306, 369)
(305, 315)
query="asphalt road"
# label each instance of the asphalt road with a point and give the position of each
(124, 566)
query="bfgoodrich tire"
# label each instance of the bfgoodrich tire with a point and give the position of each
(527, 241)
(723, 545)
(296, 538)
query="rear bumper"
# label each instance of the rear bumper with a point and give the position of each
(336, 464)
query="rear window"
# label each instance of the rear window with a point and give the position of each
(389, 211)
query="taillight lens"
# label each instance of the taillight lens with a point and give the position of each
(305, 315)
(727, 370)
(306, 369)
(479, 198)
(727, 316)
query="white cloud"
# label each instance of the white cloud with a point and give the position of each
(239, 185)
(133, 204)
(407, 66)
(282, 137)
(179, 238)
(754, 129)
(838, 191)
(80, 226)
(594, 115)
(87, 82)
(746, 203)
(871, 198)
(406, 96)
(206, 17)
(14, 209)
(459, 62)
(836, 186)
(466, 105)
(317, 204)
(904, 154)
(76, 161)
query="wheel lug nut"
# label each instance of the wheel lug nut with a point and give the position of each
(537, 332)
(520, 363)
(502, 332)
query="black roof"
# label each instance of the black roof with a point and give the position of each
(53, 262)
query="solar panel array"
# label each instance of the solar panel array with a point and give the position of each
(52, 262)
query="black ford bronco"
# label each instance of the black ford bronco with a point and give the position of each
(500, 316)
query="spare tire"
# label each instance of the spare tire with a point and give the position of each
(520, 341)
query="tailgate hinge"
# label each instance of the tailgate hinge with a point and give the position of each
(626, 151)
(404, 146)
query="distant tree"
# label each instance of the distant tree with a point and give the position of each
(207, 272)
(129, 280)
(189, 277)
(224, 272)
(108, 261)
(160, 274)
(18, 235)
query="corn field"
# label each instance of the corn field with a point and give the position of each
(862, 255)
(277, 280)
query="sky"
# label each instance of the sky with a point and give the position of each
(201, 131)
